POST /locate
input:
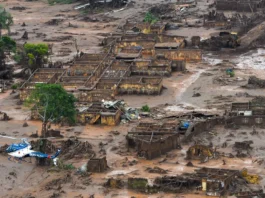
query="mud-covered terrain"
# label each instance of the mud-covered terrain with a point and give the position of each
(204, 87)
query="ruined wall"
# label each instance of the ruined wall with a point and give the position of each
(168, 39)
(111, 119)
(106, 118)
(144, 86)
(95, 96)
(97, 165)
(145, 28)
(199, 127)
(156, 149)
(181, 54)
(148, 53)
(152, 70)
(88, 117)
(125, 44)
(247, 120)
(178, 65)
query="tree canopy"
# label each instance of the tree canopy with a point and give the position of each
(150, 18)
(6, 20)
(52, 104)
(7, 44)
(36, 53)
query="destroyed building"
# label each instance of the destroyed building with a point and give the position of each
(251, 112)
(144, 27)
(97, 165)
(214, 182)
(150, 140)
(96, 113)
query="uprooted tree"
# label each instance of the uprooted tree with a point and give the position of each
(52, 105)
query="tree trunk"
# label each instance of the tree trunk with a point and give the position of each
(9, 31)
(41, 146)
(44, 129)
(0, 30)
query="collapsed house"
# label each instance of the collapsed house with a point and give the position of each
(214, 182)
(254, 82)
(97, 113)
(150, 140)
(248, 113)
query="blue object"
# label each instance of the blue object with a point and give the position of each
(229, 70)
(43, 155)
(15, 147)
(185, 125)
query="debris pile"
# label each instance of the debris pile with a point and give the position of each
(3, 149)
(156, 169)
(224, 40)
(252, 179)
(73, 148)
(114, 183)
(254, 82)
(201, 152)
(56, 184)
(4, 116)
(54, 21)
(242, 148)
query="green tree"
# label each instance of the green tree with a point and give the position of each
(6, 20)
(52, 104)
(150, 18)
(36, 54)
(6, 45)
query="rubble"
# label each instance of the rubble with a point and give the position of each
(114, 183)
(201, 152)
(73, 148)
(25, 35)
(4, 116)
(156, 169)
(54, 21)
(20, 8)
(254, 82)
(56, 184)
